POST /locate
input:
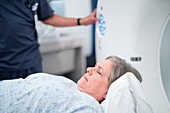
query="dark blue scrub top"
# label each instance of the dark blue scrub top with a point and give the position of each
(19, 48)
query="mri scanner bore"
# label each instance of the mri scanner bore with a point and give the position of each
(164, 59)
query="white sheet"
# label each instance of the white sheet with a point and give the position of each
(125, 95)
(45, 93)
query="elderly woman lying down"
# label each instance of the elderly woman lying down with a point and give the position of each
(45, 93)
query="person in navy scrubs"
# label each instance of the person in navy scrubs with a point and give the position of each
(19, 48)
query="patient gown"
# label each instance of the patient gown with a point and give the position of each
(45, 93)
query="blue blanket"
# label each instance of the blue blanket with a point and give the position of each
(44, 93)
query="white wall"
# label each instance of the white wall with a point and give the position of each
(78, 9)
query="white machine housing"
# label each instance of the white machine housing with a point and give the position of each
(139, 32)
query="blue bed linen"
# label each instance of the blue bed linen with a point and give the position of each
(44, 93)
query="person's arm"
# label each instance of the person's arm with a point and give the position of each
(60, 21)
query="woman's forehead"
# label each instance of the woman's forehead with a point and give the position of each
(106, 64)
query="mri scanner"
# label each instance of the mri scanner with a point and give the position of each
(139, 32)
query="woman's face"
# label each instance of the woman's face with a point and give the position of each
(95, 81)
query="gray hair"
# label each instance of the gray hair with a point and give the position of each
(120, 67)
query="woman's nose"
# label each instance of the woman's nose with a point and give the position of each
(91, 70)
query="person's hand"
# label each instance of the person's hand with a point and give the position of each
(91, 19)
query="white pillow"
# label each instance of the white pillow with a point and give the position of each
(125, 95)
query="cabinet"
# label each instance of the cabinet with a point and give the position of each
(64, 54)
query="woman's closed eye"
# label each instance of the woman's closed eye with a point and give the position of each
(98, 72)
(99, 69)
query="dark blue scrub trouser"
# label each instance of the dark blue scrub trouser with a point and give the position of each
(7, 74)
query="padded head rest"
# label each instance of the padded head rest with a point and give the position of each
(125, 95)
